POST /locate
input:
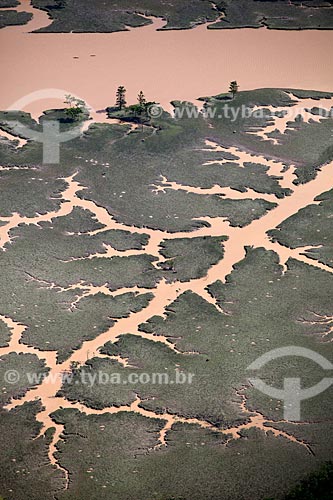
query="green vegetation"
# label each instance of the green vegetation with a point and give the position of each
(78, 16)
(121, 458)
(233, 88)
(121, 97)
(213, 331)
(23, 190)
(317, 486)
(8, 3)
(222, 342)
(306, 145)
(310, 227)
(141, 99)
(136, 113)
(43, 258)
(60, 4)
(309, 94)
(190, 258)
(275, 14)
(25, 468)
(176, 150)
(76, 107)
(83, 16)
(5, 334)
(13, 18)
(22, 364)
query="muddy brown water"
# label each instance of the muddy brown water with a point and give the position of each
(180, 64)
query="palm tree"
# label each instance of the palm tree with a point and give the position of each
(121, 97)
(234, 87)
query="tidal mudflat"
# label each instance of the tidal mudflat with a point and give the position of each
(183, 246)
(144, 254)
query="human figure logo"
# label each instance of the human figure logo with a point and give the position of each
(292, 394)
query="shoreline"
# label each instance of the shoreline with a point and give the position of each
(25, 6)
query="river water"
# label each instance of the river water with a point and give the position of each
(183, 64)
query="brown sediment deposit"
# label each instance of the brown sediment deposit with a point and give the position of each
(226, 192)
(10, 137)
(16, 219)
(275, 167)
(302, 107)
(182, 64)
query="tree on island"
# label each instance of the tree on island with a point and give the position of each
(140, 110)
(76, 107)
(142, 100)
(121, 97)
(142, 106)
(234, 88)
(138, 113)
